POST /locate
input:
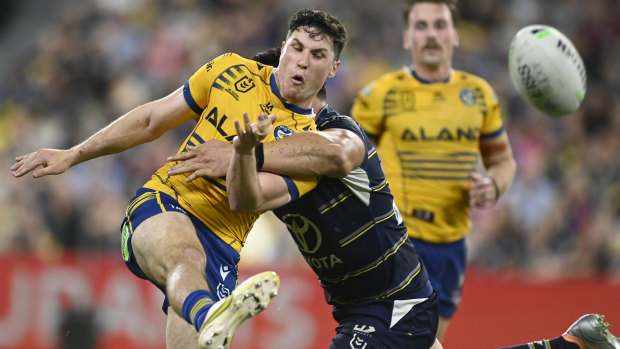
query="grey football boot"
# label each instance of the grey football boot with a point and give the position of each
(591, 330)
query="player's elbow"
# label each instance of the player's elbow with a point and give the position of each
(345, 158)
(340, 164)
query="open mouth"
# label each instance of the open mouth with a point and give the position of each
(298, 79)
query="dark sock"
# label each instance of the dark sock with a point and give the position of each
(196, 306)
(555, 343)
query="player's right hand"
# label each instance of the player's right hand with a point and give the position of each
(245, 141)
(42, 162)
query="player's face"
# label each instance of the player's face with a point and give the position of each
(430, 35)
(305, 63)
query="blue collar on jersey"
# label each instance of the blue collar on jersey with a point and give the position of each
(424, 81)
(291, 107)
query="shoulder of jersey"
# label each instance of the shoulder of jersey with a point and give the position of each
(230, 57)
(385, 81)
(477, 81)
(466, 77)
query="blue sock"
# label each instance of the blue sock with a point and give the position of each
(196, 306)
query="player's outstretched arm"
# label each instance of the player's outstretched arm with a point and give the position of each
(143, 124)
(332, 153)
(248, 190)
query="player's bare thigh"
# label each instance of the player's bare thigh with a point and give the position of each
(165, 241)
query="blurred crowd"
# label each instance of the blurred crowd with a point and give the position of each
(101, 58)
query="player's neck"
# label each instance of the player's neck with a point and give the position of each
(432, 73)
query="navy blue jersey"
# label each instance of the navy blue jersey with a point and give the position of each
(351, 233)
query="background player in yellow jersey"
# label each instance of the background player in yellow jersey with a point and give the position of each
(181, 235)
(431, 124)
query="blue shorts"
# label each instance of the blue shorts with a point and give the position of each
(445, 264)
(388, 323)
(222, 260)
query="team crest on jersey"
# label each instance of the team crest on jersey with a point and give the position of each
(357, 342)
(361, 335)
(468, 97)
(282, 131)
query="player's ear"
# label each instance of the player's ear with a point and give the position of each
(332, 72)
(456, 37)
(406, 42)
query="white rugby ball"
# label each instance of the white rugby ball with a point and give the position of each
(547, 70)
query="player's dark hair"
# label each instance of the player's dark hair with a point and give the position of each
(452, 6)
(323, 23)
(269, 57)
(272, 57)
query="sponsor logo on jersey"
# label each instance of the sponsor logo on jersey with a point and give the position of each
(306, 234)
(443, 134)
(308, 239)
(224, 271)
(438, 97)
(218, 121)
(266, 108)
(282, 131)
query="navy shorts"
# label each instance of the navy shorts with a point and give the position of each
(388, 323)
(222, 260)
(445, 264)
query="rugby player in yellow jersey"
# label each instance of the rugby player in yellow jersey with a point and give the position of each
(432, 124)
(181, 235)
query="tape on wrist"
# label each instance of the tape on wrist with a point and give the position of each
(260, 157)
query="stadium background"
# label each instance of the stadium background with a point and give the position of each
(547, 253)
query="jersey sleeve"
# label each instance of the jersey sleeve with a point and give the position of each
(493, 123)
(197, 90)
(341, 122)
(368, 108)
(297, 187)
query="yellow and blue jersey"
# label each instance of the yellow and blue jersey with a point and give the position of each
(428, 136)
(220, 92)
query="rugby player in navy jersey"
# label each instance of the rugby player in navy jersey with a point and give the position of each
(181, 235)
(433, 125)
(351, 234)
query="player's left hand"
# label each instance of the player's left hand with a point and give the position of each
(483, 193)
